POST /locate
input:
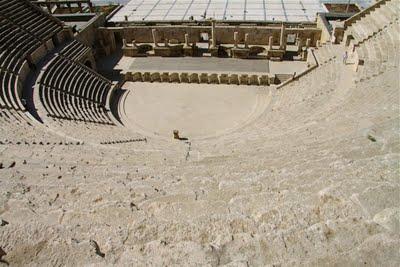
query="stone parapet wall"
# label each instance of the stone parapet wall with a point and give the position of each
(88, 34)
(208, 78)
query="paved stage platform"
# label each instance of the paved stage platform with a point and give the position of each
(199, 65)
(197, 110)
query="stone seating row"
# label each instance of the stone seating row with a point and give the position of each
(324, 53)
(374, 22)
(317, 94)
(84, 131)
(113, 142)
(29, 18)
(70, 90)
(300, 96)
(14, 117)
(15, 46)
(209, 78)
(74, 50)
(375, 52)
(40, 143)
(23, 29)
(76, 79)
(15, 129)
(293, 108)
(63, 106)
(8, 95)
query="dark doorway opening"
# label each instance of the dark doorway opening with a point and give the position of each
(88, 64)
(118, 39)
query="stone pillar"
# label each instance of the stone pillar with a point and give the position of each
(124, 42)
(246, 40)
(187, 49)
(213, 35)
(134, 44)
(154, 34)
(165, 42)
(299, 44)
(308, 42)
(186, 40)
(235, 39)
(270, 42)
(282, 41)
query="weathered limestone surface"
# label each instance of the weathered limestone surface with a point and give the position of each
(311, 178)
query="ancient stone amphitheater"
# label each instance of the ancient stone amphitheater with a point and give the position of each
(311, 177)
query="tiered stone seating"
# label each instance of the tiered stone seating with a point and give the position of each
(70, 90)
(74, 50)
(310, 179)
(303, 177)
(374, 22)
(23, 28)
(15, 46)
(324, 53)
(29, 18)
(375, 52)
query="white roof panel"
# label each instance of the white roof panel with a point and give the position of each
(279, 10)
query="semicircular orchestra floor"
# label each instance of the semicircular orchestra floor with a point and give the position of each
(197, 110)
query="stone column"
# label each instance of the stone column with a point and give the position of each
(270, 42)
(154, 33)
(299, 44)
(246, 40)
(308, 42)
(282, 41)
(186, 40)
(124, 42)
(235, 39)
(213, 35)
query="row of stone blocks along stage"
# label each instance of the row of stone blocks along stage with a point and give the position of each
(206, 78)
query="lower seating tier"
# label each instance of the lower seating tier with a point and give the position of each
(69, 90)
